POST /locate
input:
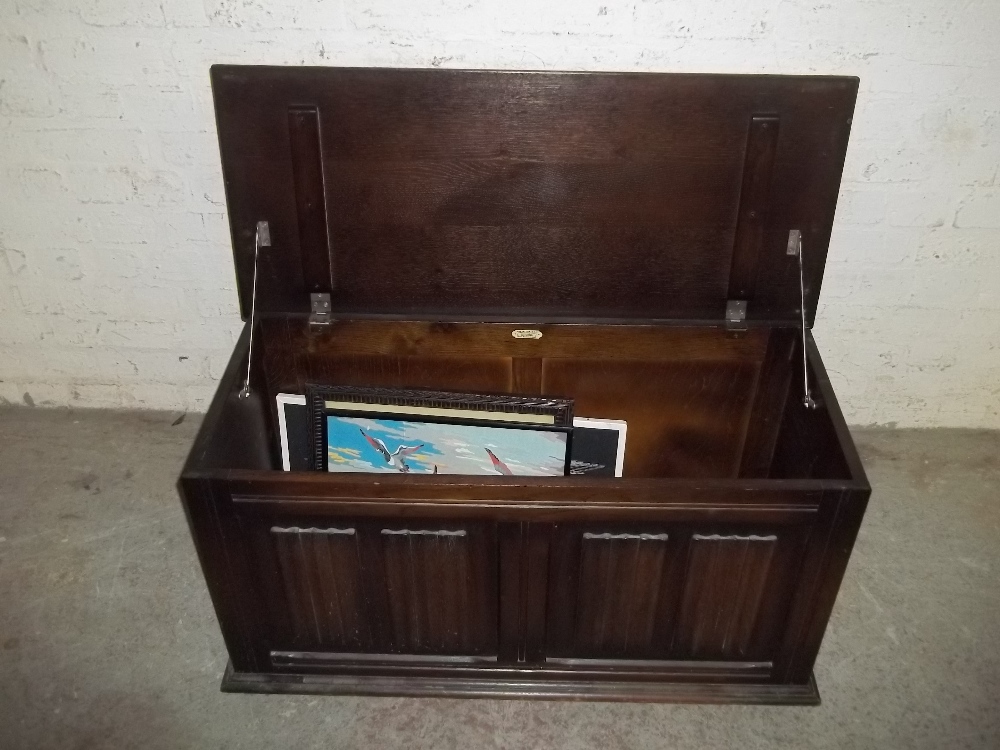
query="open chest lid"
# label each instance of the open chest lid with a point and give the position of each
(531, 196)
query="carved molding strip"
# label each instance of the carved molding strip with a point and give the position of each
(311, 530)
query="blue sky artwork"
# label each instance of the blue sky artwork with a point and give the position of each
(362, 444)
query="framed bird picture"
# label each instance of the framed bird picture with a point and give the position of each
(377, 430)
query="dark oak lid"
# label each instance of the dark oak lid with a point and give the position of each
(518, 196)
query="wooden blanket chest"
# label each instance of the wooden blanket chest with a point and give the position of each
(663, 237)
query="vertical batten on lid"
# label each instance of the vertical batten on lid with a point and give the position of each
(310, 196)
(762, 143)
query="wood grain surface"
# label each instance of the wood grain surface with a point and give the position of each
(541, 194)
(612, 215)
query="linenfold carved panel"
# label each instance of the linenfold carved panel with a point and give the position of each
(616, 608)
(437, 586)
(669, 593)
(366, 589)
(321, 576)
(725, 582)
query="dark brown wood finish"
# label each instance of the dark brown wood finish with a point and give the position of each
(323, 586)
(611, 592)
(524, 576)
(665, 574)
(685, 392)
(306, 153)
(537, 194)
(725, 585)
(762, 143)
(615, 214)
(770, 399)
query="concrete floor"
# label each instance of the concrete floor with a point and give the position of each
(108, 638)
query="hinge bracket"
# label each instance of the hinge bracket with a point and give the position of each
(736, 313)
(264, 233)
(319, 307)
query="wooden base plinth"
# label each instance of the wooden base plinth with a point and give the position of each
(538, 687)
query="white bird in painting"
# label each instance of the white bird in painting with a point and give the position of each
(396, 459)
(499, 465)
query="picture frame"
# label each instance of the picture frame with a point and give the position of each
(437, 432)
(293, 432)
(598, 447)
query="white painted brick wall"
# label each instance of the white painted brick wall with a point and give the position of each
(116, 283)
